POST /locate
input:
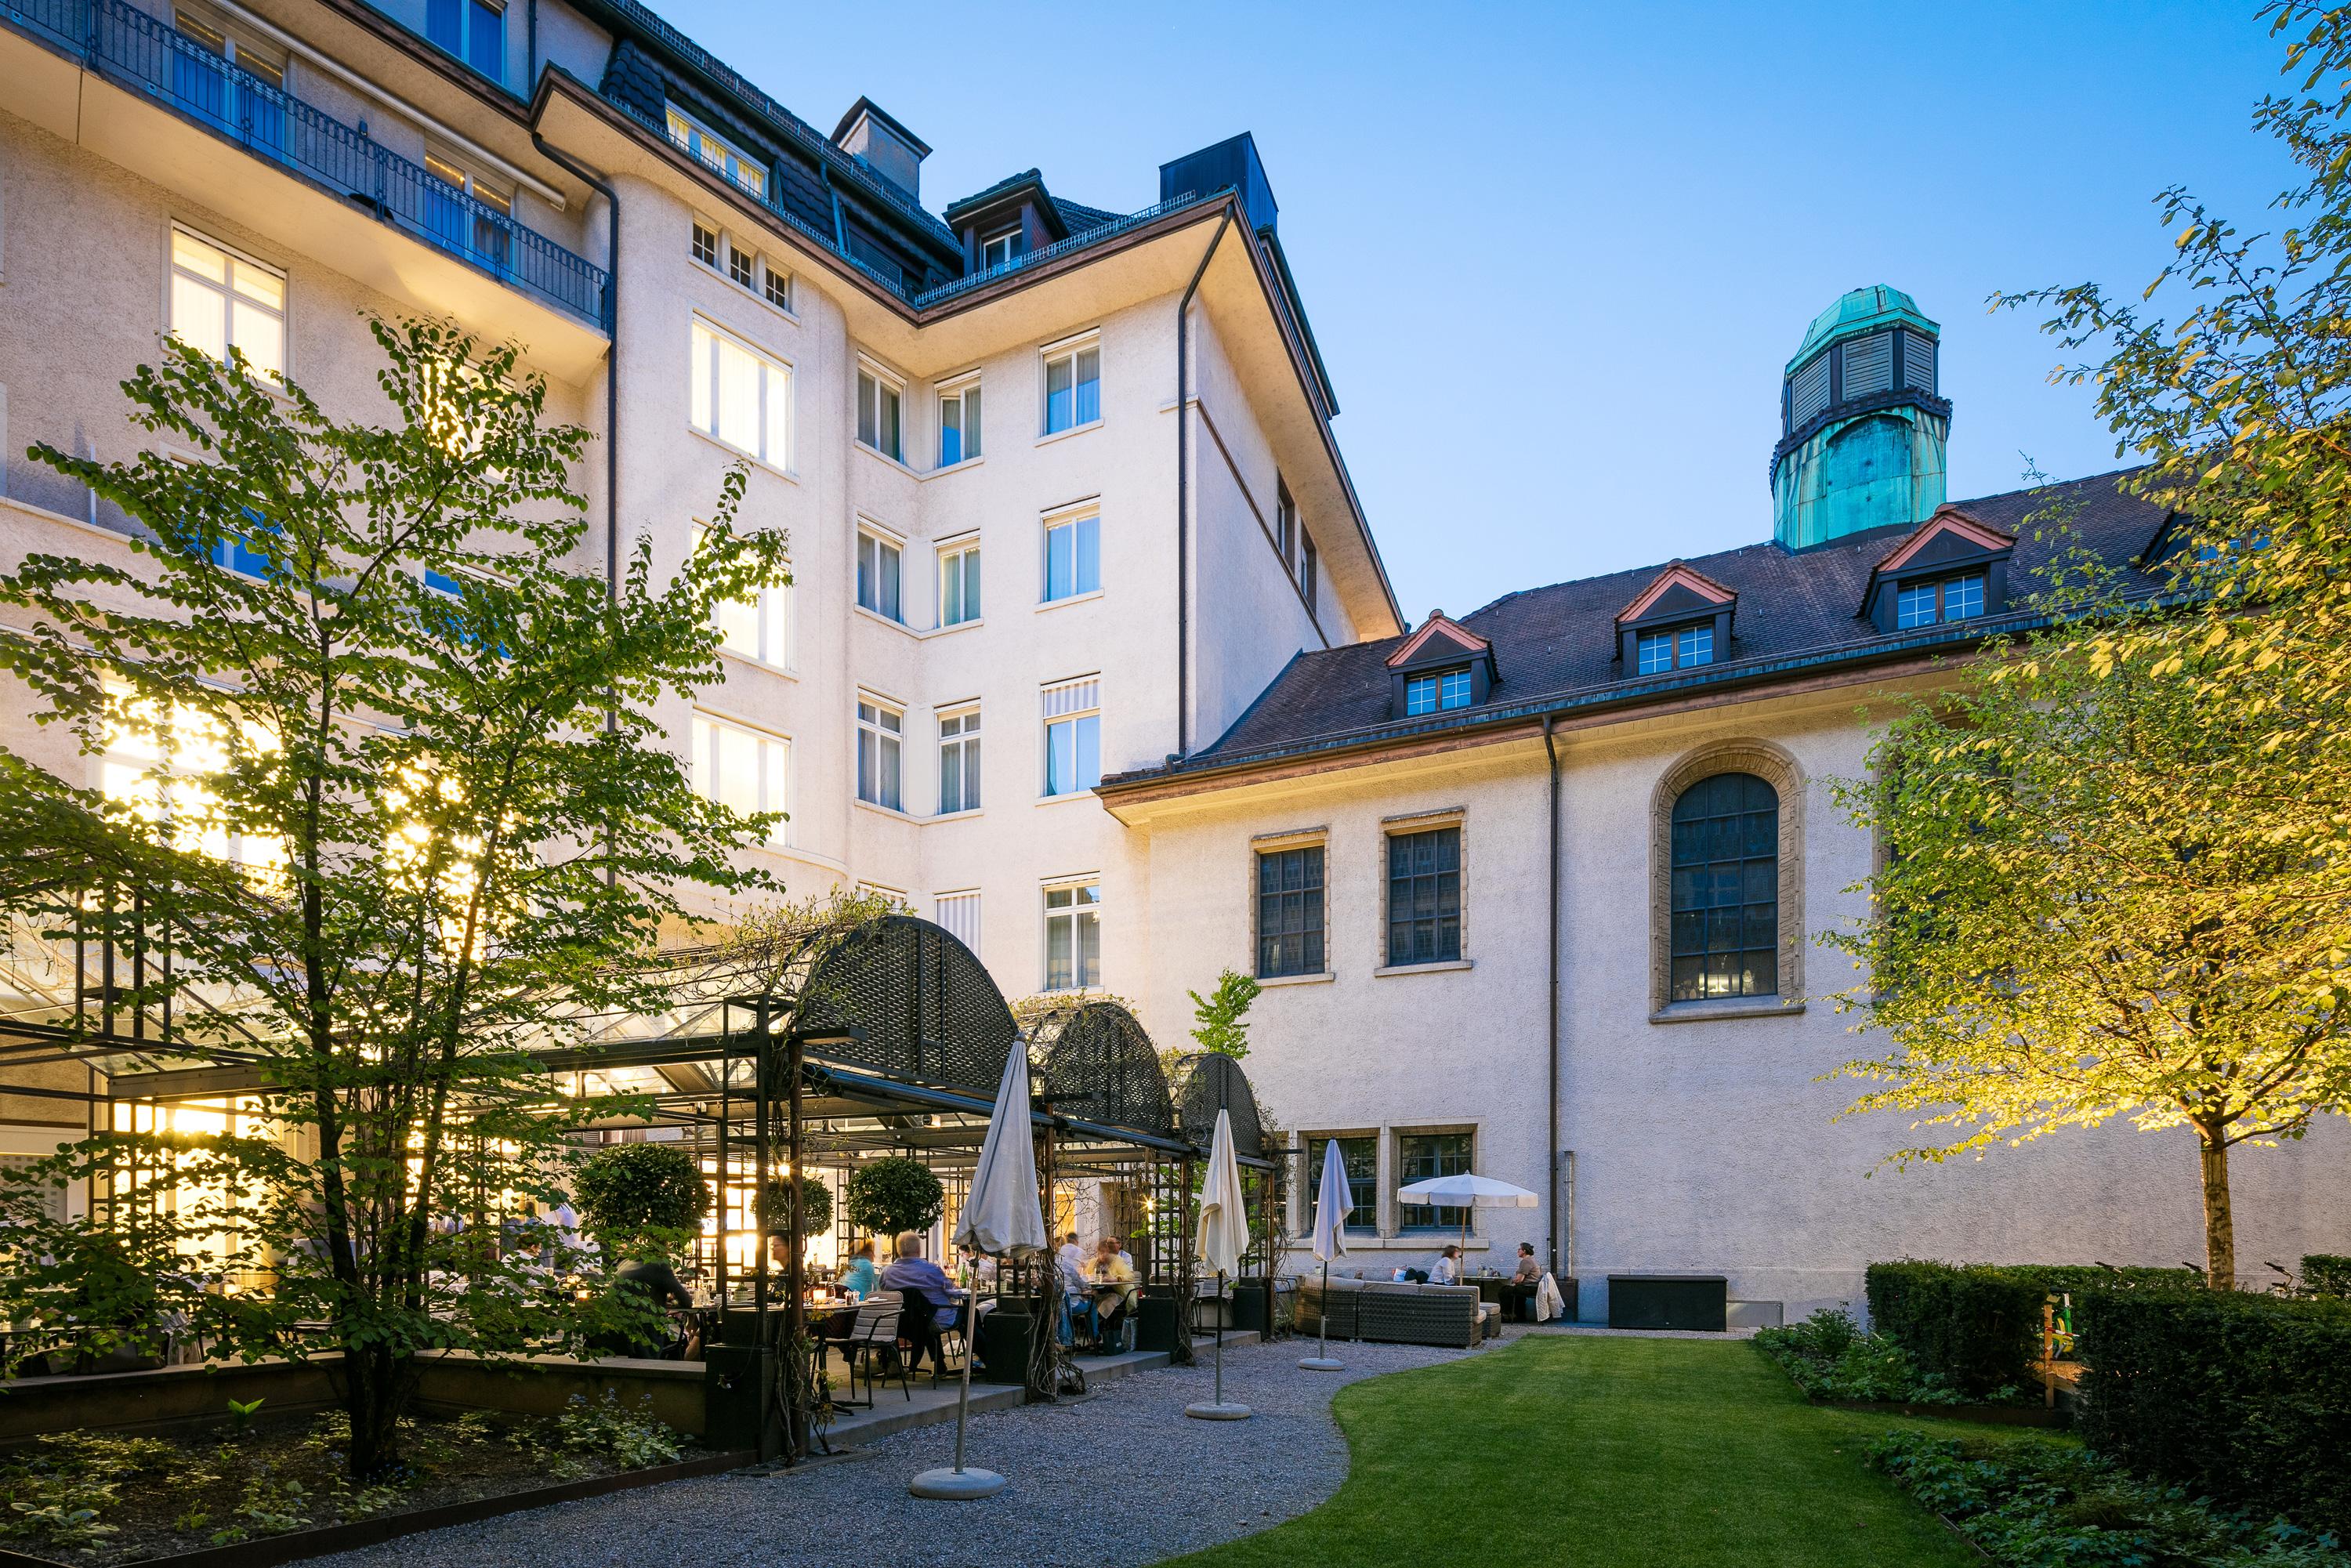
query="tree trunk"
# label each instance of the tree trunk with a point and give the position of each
(2220, 1224)
(376, 1388)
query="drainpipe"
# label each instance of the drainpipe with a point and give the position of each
(840, 226)
(611, 363)
(1552, 1153)
(1183, 495)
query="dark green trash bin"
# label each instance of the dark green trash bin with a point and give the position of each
(1003, 1347)
(1155, 1322)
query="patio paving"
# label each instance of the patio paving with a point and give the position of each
(1120, 1477)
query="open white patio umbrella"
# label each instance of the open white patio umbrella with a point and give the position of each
(1332, 1200)
(1001, 1219)
(1224, 1237)
(1465, 1192)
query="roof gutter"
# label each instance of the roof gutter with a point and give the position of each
(1184, 489)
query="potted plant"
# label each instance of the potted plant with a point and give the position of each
(894, 1194)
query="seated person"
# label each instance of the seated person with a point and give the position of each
(643, 1283)
(1111, 1275)
(1449, 1267)
(859, 1279)
(1077, 1300)
(1518, 1295)
(921, 1282)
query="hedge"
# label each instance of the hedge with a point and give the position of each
(2326, 1274)
(2243, 1398)
(1978, 1327)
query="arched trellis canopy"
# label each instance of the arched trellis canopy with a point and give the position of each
(1208, 1082)
(1095, 1062)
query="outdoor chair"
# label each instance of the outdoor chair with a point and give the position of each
(1420, 1314)
(871, 1346)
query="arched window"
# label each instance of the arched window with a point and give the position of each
(1725, 909)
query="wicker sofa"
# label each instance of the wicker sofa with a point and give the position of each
(1395, 1313)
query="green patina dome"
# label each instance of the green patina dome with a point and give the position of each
(1859, 312)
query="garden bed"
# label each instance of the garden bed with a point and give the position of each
(274, 1489)
(1835, 1364)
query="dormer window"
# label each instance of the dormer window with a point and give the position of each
(1437, 692)
(1953, 568)
(1676, 648)
(1945, 598)
(1002, 249)
(1680, 620)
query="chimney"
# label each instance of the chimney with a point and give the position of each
(869, 133)
(1232, 163)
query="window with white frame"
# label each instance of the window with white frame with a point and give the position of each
(706, 245)
(959, 761)
(958, 424)
(959, 583)
(881, 736)
(1944, 599)
(1675, 648)
(879, 404)
(958, 914)
(221, 300)
(740, 396)
(880, 566)
(1073, 735)
(715, 151)
(746, 267)
(1001, 250)
(1073, 554)
(1435, 692)
(1074, 936)
(759, 627)
(1073, 386)
(743, 768)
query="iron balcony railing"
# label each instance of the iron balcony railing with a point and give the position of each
(144, 55)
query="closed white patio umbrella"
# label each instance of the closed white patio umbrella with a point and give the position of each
(1001, 1217)
(1224, 1237)
(1465, 1192)
(1332, 1201)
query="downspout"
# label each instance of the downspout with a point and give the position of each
(611, 360)
(1552, 1153)
(840, 226)
(1183, 495)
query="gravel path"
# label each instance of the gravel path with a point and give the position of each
(1121, 1478)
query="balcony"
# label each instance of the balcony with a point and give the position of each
(154, 67)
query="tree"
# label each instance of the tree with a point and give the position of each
(2119, 877)
(1220, 1019)
(632, 1193)
(406, 821)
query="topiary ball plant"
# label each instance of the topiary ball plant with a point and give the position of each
(894, 1194)
(816, 1201)
(629, 1192)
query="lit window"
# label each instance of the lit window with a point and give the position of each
(1074, 936)
(1424, 896)
(1073, 389)
(877, 415)
(1945, 598)
(1290, 912)
(1072, 556)
(959, 761)
(881, 734)
(1002, 250)
(1072, 736)
(878, 568)
(741, 396)
(1725, 898)
(716, 152)
(959, 585)
(958, 425)
(1435, 692)
(1678, 648)
(759, 627)
(479, 230)
(222, 301)
(153, 771)
(742, 769)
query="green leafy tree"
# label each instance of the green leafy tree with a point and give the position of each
(635, 1196)
(895, 1193)
(408, 821)
(2119, 877)
(1220, 1019)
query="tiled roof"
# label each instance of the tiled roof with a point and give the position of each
(1562, 639)
(1080, 219)
(1075, 218)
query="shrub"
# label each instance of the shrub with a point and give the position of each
(625, 1188)
(1830, 1358)
(1978, 1327)
(2241, 1398)
(2032, 1504)
(894, 1194)
(2326, 1274)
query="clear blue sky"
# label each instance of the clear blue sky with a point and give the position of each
(1556, 256)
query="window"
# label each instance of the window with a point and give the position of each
(1420, 1156)
(959, 761)
(1074, 936)
(1072, 736)
(1726, 890)
(713, 150)
(472, 30)
(959, 913)
(1424, 896)
(1360, 1158)
(742, 769)
(1436, 691)
(242, 96)
(778, 286)
(1676, 648)
(221, 300)
(1307, 561)
(480, 229)
(740, 396)
(1290, 912)
(1073, 389)
(153, 768)
(758, 628)
(1285, 519)
(877, 415)
(958, 425)
(1073, 554)
(744, 269)
(743, 266)
(1945, 598)
(237, 554)
(706, 246)
(877, 576)
(881, 732)
(1002, 249)
(958, 585)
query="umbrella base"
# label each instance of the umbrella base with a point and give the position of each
(1209, 1410)
(957, 1486)
(1323, 1364)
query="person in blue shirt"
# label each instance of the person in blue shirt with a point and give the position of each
(858, 1276)
(914, 1276)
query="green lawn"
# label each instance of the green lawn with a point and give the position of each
(1617, 1453)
